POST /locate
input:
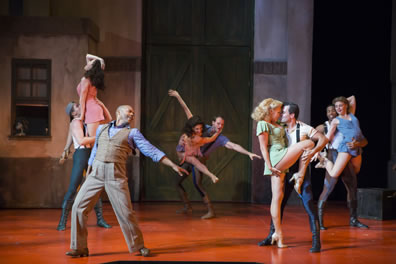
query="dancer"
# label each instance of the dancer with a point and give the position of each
(206, 150)
(297, 131)
(191, 141)
(113, 143)
(87, 89)
(348, 174)
(278, 157)
(351, 146)
(82, 146)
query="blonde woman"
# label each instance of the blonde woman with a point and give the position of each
(277, 156)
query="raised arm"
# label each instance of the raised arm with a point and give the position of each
(90, 58)
(352, 104)
(332, 129)
(200, 141)
(181, 102)
(240, 149)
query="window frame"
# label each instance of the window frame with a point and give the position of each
(30, 63)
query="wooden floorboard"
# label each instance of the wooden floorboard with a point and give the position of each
(30, 236)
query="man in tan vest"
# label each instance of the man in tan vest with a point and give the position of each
(107, 170)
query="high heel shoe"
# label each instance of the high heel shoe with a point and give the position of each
(279, 241)
(298, 181)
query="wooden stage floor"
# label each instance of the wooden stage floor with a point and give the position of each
(29, 236)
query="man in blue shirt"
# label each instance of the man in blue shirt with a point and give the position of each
(206, 150)
(107, 171)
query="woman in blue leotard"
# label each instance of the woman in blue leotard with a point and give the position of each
(350, 149)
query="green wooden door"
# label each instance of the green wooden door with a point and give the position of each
(212, 72)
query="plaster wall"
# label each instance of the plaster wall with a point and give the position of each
(283, 34)
(67, 55)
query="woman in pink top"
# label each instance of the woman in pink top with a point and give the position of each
(91, 110)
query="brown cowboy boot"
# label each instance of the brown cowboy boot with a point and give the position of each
(210, 214)
(187, 206)
(78, 253)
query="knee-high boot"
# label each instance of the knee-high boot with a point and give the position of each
(267, 241)
(210, 213)
(66, 206)
(99, 215)
(353, 221)
(316, 246)
(321, 206)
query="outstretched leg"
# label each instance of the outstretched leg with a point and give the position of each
(116, 186)
(201, 167)
(293, 153)
(84, 203)
(335, 169)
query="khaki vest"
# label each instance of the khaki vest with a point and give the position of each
(115, 149)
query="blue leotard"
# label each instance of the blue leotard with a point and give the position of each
(350, 129)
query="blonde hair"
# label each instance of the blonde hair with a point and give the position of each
(262, 111)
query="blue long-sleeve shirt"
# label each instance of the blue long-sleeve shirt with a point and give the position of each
(135, 139)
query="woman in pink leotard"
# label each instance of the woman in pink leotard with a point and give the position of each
(191, 141)
(91, 110)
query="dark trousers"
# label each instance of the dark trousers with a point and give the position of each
(197, 180)
(306, 193)
(80, 163)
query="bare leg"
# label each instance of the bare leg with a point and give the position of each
(335, 169)
(201, 167)
(298, 177)
(92, 128)
(277, 187)
(293, 153)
